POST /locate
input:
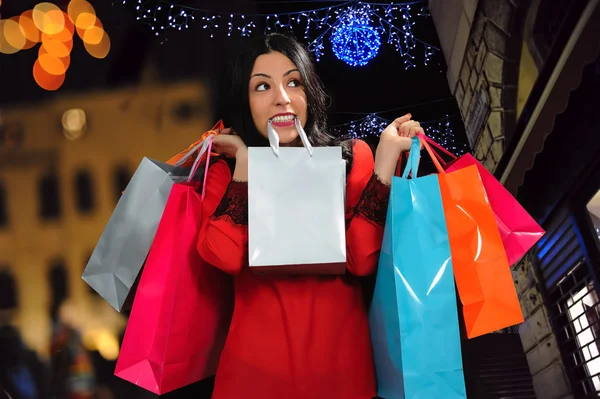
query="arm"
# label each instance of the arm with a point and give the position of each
(224, 239)
(367, 198)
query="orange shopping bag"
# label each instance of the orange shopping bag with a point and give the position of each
(483, 278)
(215, 130)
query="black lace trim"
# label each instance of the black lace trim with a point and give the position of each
(234, 205)
(374, 200)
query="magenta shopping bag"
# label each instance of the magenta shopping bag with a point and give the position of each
(519, 231)
(183, 306)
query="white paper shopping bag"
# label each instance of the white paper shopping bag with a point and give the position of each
(296, 219)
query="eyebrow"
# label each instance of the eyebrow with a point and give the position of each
(264, 75)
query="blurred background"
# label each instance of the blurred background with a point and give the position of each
(82, 101)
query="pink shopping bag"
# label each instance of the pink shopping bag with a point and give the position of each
(519, 231)
(182, 310)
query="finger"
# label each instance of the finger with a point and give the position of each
(227, 130)
(404, 129)
(399, 121)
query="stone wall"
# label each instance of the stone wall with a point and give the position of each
(487, 100)
(539, 342)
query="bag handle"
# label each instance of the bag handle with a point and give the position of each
(431, 153)
(206, 148)
(413, 159)
(274, 137)
(439, 147)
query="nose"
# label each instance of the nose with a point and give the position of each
(281, 96)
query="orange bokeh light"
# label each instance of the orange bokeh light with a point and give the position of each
(14, 34)
(78, 7)
(93, 35)
(99, 50)
(64, 36)
(48, 18)
(52, 64)
(5, 46)
(32, 33)
(46, 80)
(56, 47)
(82, 31)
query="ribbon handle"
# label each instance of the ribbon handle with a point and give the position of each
(413, 159)
(274, 137)
(206, 148)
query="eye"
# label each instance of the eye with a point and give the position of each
(262, 87)
(294, 83)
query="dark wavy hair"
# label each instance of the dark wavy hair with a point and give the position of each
(235, 103)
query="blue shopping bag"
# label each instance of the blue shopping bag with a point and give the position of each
(413, 316)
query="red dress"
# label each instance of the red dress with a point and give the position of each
(298, 337)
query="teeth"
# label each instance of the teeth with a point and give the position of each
(286, 118)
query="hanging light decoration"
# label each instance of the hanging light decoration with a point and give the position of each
(356, 30)
(354, 40)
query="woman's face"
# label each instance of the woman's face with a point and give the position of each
(276, 93)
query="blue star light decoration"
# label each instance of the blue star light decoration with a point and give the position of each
(439, 130)
(356, 30)
(353, 39)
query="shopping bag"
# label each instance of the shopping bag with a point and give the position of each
(296, 219)
(413, 316)
(182, 308)
(519, 231)
(113, 269)
(483, 277)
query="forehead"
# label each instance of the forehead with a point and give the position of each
(273, 64)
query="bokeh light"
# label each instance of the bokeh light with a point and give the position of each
(56, 47)
(65, 60)
(46, 80)
(47, 24)
(32, 33)
(5, 46)
(14, 34)
(48, 18)
(93, 35)
(83, 14)
(52, 64)
(99, 50)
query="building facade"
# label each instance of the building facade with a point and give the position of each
(525, 74)
(63, 166)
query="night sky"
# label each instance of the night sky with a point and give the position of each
(380, 85)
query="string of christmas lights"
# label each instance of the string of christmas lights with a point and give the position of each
(439, 130)
(356, 30)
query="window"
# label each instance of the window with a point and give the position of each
(49, 197)
(8, 290)
(3, 206)
(84, 191)
(59, 284)
(121, 180)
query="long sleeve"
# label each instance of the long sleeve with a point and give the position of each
(224, 239)
(366, 207)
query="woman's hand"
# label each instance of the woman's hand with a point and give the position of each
(231, 145)
(395, 139)
(400, 133)
(227, 143)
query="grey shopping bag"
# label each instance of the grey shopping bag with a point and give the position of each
(119, 256)
(296, 217)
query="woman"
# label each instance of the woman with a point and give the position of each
(296, 336)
